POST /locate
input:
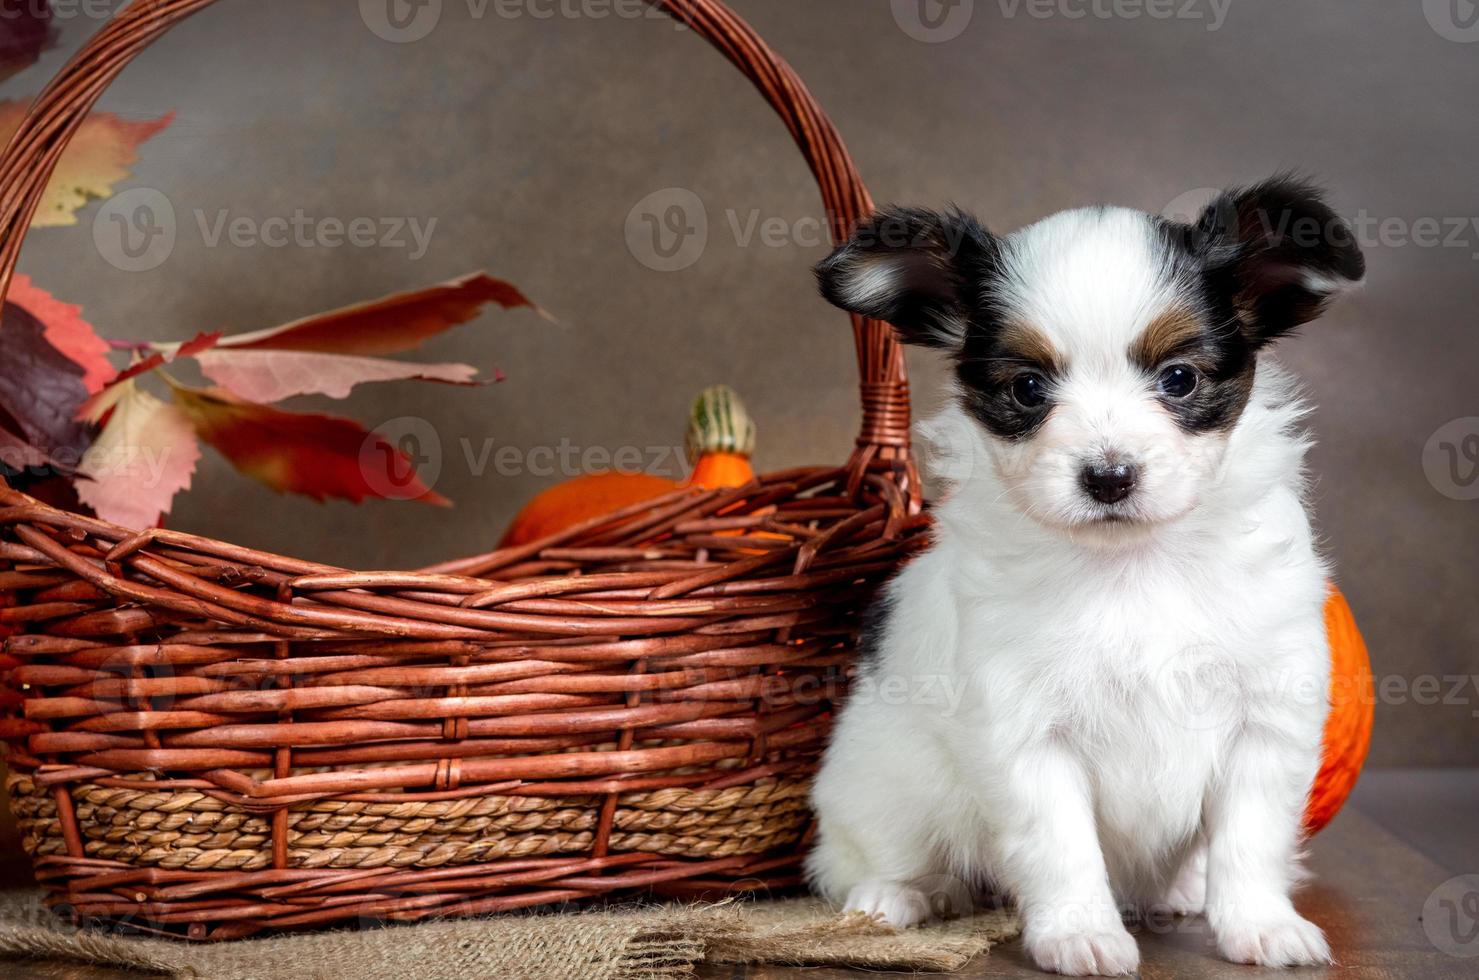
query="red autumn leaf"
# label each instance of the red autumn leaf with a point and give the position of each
(320, 456)
(66, 331)
(272, 375)
(143, 457)
(25, 32)
(99, 155)
(41, 389)
(97, 406)
(389, 325)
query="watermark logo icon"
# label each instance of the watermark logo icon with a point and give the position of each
(945, 897)
(1451, 916)
(1202, 688)
(1451, 459)
(933, 21)
(948, 450)
(135, 231)
(1187, 208)
(668, 230)
(401, 21)
(402, 458)
(1453, 20)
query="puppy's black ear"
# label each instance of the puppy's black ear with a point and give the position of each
(1279, 252)
(921, 271)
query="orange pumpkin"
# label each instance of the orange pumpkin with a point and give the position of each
(573, 501)
(720, 439)
(721, 469)
(1352, 706)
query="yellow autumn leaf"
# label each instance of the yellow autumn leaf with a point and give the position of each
(145, 455)
(98, 157)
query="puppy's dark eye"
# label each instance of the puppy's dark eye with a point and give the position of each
(1030, 390)
(1178, 381)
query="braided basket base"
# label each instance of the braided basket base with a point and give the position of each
(168, 859)
(191, 830)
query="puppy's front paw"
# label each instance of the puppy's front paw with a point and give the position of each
(1288, 940)
(896, 903)
(1089, 953)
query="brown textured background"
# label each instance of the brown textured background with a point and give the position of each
(529, 140)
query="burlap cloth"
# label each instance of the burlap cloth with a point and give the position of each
(616, 944)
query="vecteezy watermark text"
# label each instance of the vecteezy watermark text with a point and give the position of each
(1213, 12)
(60, 10)
(404, 456)
(1363, 228)
(137, 230)
(670, 229)
(937, 21)
(303, 230)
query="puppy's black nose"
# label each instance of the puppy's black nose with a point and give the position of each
(1109, 484)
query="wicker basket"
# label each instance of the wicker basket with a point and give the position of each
(210, 741)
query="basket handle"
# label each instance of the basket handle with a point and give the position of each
(27, 162)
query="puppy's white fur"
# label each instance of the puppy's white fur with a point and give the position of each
(1134, 709)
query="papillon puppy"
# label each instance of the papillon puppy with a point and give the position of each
(1101, 689)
